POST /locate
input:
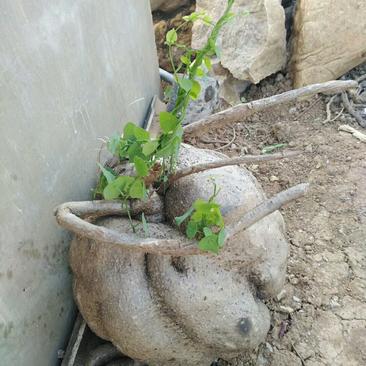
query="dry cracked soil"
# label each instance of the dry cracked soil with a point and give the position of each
(319, 319)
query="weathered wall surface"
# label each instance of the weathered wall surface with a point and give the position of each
(70, 72)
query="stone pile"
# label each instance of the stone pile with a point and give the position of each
(267, 36)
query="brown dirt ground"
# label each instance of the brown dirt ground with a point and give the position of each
(320, 318)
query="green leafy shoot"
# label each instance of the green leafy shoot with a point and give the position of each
(113, 144)
(171, 37)
(141, 166)
(107, 176)
(168, 122)
(135, 144)
(205, 224)
(180, 219)
(98, 190)
(108, 173)
(271, 148)
(194, 63)
(125, 187)
(154, 159)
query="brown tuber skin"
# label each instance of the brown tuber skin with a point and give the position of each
(199, 306)
(159, 299)
(70, 215)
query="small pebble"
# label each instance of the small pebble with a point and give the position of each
(269, 347)
(333, 303)
(281, 295)
(273, 178)
(279, 77)
(318, 257)
(296, 299)
(309, 148)
(244, 150)
(286, 309)
(292, 110)
(60, 354)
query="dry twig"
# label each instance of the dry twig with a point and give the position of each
(329, 111)
(298, 355)
(241, 111)
(361, 78)
(70, 216)
(360, 136)
(352, 111)
(338, 115)
(228, 143)
(102, 146)
(308, 108)
(267, 207)
(232, 161)
(207, 141)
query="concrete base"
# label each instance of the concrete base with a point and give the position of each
(70, 72)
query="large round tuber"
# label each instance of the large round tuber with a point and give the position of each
(187, 310)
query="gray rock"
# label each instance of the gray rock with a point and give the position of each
(279, 77)
(327, 44)
(230, 88)
(207, 102)
(252, 45)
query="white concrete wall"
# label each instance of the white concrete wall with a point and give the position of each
(70, 71)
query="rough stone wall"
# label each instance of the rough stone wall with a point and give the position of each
(70, 72)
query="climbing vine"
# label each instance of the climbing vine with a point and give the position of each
(205, 223)
(153, 159)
